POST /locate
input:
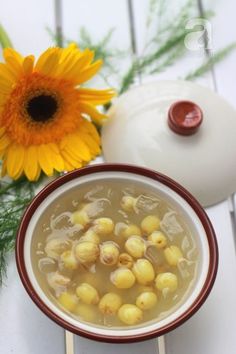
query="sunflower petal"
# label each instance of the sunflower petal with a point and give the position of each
(57, 160)
(68, 166)
(15, 160)
(49, 66)
(20, 172)
(4, 142)
(93, 113)
(3, 98)
(28, 64)
(72, 154)
(71, 49)
(65, 65)
(44, 158)
(89, 72)
(6, 74)
(31, 165)
(12, 53)
(70, 161)
(2, 131)
(77, 148)
(89, 128)
(68, 57)
(95, 97)
(54, 148)
(5, 86)
(47, 60)
(4, 169)
(74, 67)
(91, 143)
(13, 61)
(42, 58)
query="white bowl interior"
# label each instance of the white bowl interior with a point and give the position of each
(164, 192)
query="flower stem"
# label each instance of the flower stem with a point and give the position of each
(5, 41)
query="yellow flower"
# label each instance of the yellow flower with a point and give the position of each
(46, 117)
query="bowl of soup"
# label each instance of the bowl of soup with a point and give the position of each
(116, 253)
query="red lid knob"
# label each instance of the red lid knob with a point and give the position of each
(184, 117)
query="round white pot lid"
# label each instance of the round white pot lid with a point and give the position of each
(192, 142)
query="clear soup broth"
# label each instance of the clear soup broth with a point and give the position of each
(114, 254)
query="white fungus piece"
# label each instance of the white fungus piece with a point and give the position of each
(58, 282)
(56, 246)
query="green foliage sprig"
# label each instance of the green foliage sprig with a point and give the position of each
(14, 198)
(210, 62)
(163, 47)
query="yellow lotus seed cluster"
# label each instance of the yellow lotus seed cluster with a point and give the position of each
(91, 236)
(109, 253)
(80, 217)
(110, 304)
(130, 230)
(128, 203)
(69, 260)
(103, 226)
(86, 252)
(123, 278)
(87, 293)
(150, 224)
(125, 260)
(135, 246)
(158, 239)
(143, 271)
(69, 301)
(146, 300)
(173, 255)
(101, 273)
(130, 314)
(167, 281)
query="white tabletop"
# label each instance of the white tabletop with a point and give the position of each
(24, 329)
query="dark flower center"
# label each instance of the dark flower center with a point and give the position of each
(42, 108)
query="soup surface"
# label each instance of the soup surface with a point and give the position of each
(114, 254)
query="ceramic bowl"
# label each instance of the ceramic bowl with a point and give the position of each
(168, 189)
(141, 118)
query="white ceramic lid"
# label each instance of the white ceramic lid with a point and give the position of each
(138, 132)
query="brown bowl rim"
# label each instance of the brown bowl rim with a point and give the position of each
(211, 237)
